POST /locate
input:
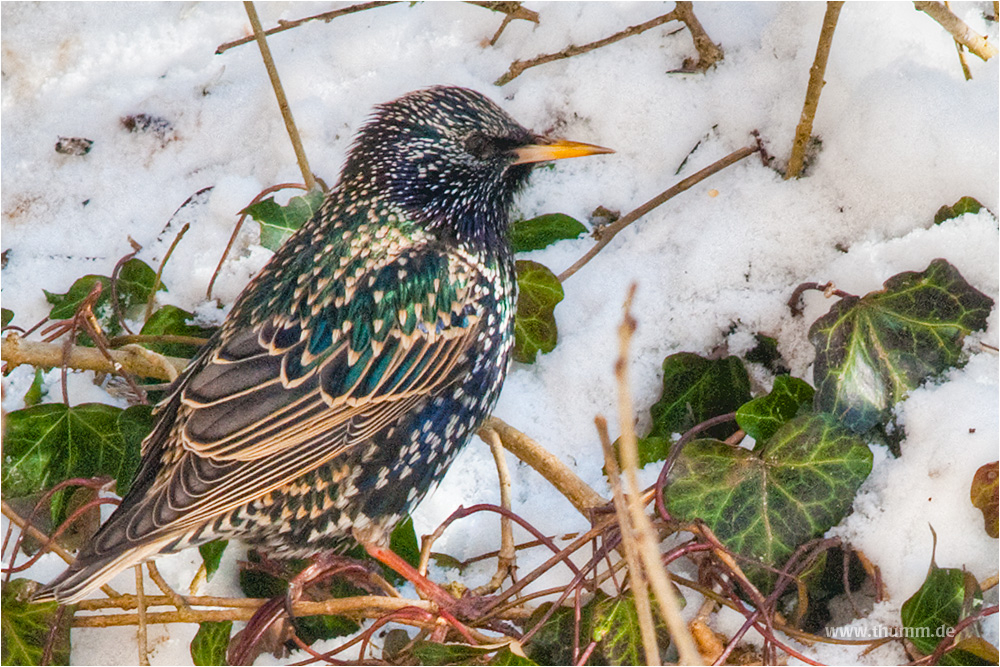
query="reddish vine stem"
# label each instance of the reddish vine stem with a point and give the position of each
(239, 224)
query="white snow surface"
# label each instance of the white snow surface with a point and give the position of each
(902, 134)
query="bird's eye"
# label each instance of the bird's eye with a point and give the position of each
(479, 145)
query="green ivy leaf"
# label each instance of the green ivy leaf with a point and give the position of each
(762, 416)
(257, 583)
(35, 394)
(507, 657)
(211, 555)
(277, 222)
(173, 321)
(767, 355)
(312, 629)
(538, 292)
(434, 653)
(134, 287)
(65, 305)
(871, 351)
(210, 644)
(961, 207)
(766, 503)
(543, 231)
(616, 629)
(46, 444)
(404, 542)
(696, 389)
(947, 596)
(984, 495)
(6, 315)
(26, 626)
(553, 643)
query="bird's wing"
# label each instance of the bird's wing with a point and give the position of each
(271, 401)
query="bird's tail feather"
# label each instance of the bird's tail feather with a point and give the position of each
(82, 578)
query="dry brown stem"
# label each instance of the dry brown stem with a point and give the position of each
(519, 66)
(804, 130)
(557, 473)
(141, 615)
(637, 578)
(958, 28)
(279, 92)
(365, 606)
(647, 542)
(507, 555)
(288, 25)
(709, 52)
(621, 223)
(130, 359)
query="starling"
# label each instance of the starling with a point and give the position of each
(355, 365)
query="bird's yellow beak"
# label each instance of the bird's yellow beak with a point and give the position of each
(557, 149)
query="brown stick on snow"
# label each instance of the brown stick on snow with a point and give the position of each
(958, 28)
(804, 130)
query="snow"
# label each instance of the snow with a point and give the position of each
(902, 134)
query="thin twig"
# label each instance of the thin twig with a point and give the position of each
(709, 52)
(621, 223)
(958, 28)
(647, 543)
(141, 630)
(161, 583)
(159, 271)
(637, 578)
(288, 25)
(804, 130)
(507, 555)
(279, 92)
(966, 72)
(557, 473)
(519, 66)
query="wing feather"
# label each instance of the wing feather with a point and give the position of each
(268, 403)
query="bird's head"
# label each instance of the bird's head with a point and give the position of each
(452, 159)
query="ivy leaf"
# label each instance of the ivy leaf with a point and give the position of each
(277, 222)
(135, 283)
(26, 625)
(871, 351)
(46, 444)
(173, 321)
(211, 642)
(538, 292)
(434, 653)
(762, 416)
(403, 541)
(65, 305)
(507, 657)
(35, 394)
(696, 389)
(543, 231)
(766, 503)
(553, 643)
(6, 315)
(211, 555)
(767, 355)
(984, 495)
(947, 596)
(134, 287)
(616, 629)
(961, 207)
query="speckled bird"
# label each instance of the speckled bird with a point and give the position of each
(356, 364)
